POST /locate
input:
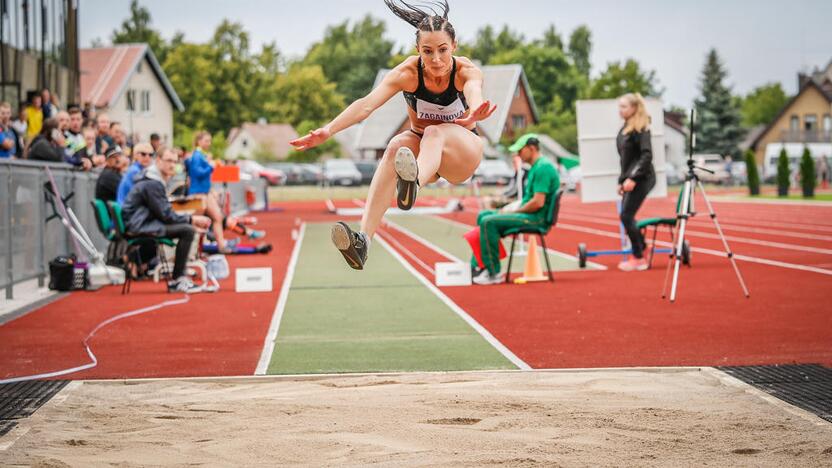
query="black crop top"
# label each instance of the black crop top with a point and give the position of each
(445, 107)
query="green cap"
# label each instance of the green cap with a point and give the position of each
(523, 141)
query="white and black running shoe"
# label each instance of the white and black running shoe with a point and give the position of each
(183, 284)
(353, 245)
(407, 174)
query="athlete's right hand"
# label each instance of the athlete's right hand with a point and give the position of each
(313, 139)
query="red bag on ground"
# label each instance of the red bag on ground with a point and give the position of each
(473, 238)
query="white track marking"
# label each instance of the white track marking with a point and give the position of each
(458, 310)
(277, 315)
(708, 235)
(717, 253)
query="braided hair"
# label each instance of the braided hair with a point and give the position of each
(428, 16)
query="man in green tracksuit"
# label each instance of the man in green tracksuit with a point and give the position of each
(539, 192)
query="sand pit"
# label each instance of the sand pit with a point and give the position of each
(569, 418)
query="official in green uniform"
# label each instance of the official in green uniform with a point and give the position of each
(539, 192)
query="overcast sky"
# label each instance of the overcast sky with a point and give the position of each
(759, 41)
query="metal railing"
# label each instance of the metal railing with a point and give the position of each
(806, 136)
(28, 242)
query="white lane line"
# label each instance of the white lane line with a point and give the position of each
(736, 225)
(277, 315)
(708, 235)
(458, 310)
(557, 253)
(716, 253)
(409, 254)
(424, 241)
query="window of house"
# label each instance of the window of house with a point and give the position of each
(245, 142)
(145, 101)
(827, 123)
(517, 91)
(139, 68)
(794, 123)
(131, 100)
(810, 122)
(518, 121)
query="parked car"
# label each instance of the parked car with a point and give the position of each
(673, 174)
(255, 169)
(312, 174)
(367, 169)
(293, 171)
(341, 172)
(494, 172)
(714, 163)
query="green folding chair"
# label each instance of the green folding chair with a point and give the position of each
(540, 231)
(134, 242)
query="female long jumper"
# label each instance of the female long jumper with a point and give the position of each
(444, 98)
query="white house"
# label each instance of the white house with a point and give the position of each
(127, 82)
(248, 139)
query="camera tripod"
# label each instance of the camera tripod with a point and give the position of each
(686, 211)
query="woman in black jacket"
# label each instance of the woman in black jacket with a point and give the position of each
(637, 174)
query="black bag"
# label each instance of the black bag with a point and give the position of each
(62, 273)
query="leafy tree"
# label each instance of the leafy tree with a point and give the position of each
(560, 124)
(580, 47)
(783, 173)
(192, 72)
(329, 147)
(551, 38)
(808, 179)
(303, 94)
(620, 79)
(762, 105)
(549, 71)
(351, 57)
(718, 118)
(752, 172)
(488, 44)
(136, 28)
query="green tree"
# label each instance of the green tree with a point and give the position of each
(328, 148)
(752, 172)
(808, 179)
(580, 48)
(783, 173)
(718, 119)
(761, 105)
(620, 79)
(488, 44)
(191, 69)
(560, 124)
(551, 38)
(303, 94)
(351, 57)
(136, 28)
(549, 71)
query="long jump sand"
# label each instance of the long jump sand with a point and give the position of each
(570, 418)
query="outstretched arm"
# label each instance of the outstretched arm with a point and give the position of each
(472, 89)
(355, 112)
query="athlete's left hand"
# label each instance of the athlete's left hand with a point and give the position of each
(628, 185)
(311, 140)
(482, 112)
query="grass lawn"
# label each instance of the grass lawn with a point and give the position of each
(799, 197)
(312, 192)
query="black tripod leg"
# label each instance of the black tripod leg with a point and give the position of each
(510, 259)
(546, 256)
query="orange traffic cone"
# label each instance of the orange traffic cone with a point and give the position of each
(532, 271)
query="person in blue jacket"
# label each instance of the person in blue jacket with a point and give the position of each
(200, 166)
(142, 158)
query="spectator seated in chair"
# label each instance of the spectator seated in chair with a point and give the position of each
(539, 193)
(142, 158)
(148, 212)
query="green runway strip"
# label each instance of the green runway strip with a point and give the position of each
(379, 319)
(448, 236)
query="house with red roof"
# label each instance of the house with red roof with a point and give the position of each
(127, 82)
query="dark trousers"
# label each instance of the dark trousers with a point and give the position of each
(630, 203)
(184, 234)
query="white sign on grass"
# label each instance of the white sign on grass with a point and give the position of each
(598, 126)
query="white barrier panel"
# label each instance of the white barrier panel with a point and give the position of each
(253, 279)
(598, 126)
(453, 274)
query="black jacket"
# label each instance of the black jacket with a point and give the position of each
(44, 150)
(147, 209)
(636, 154)
(106, 187)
